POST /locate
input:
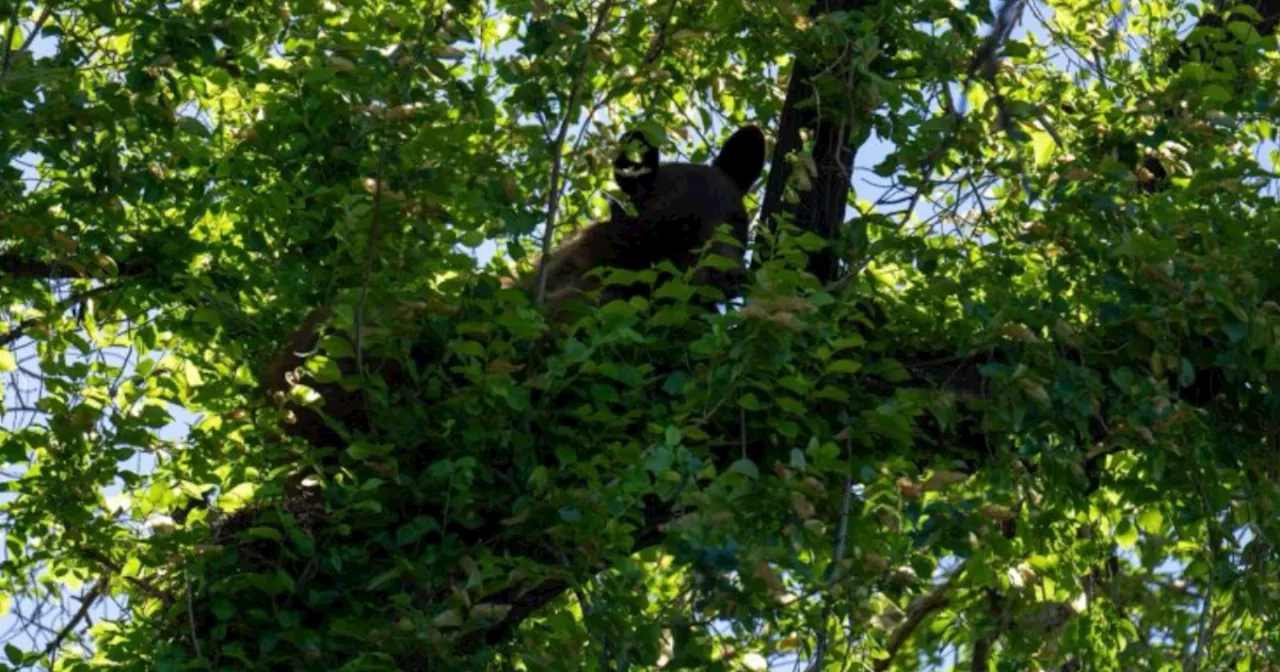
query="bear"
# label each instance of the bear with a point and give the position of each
(675, 212)
(677, 209)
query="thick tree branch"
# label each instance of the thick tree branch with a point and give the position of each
(917, 613)
(820, 210)
(524, 603)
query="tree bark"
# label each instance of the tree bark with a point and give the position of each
(821, 209)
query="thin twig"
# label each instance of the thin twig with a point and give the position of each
(588, 612)
(842, 536)
(114, 569)
(837, 555)
(553, 196)
(86, 603)
(1006, 19)
(1202, 634)
(984, 61)
(191, 618)
(71, 301)
(35, 29)
(8, 43)
(655, 47)
(375, 228)
(26, 43)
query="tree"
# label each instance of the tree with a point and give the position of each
(1014, 415)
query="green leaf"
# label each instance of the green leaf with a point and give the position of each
(7, 361)
(810, 242)
(719, 262)
(1216, 93)
(833, 393)
(337, 347)
(1126, 534)
(791, 406)
(977, 95)
(655, 133)
(892, 370)
(853, 340)
(623, 373)
(470, 348)
(383, 579)
(844, 366)
(364, 450)
(675, 383)
(193, 126)
(305, 396)
(745, 467)
(415, 530)
(786, 428)
(1042, 145)
(1186, 373)
(237, 497)
(192, 373)
(659, 460)
(1151, 521)
(670, 316)
(263, 532)
(324, 369)
(223, 609)
(795, 384)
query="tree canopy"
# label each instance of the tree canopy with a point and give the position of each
(1004, 398)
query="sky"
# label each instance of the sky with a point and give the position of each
(867, 186)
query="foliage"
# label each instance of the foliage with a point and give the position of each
(1030, 427)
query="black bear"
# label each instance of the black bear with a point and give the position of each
(677, 209)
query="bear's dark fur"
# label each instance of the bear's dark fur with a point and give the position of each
(678, 207)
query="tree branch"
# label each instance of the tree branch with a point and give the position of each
(86, 603)
(655, 47)
(523, 603)
(553, 195)
(9, 51)
(822, 209)
(20, 330)
(919, 610)
(837, 554)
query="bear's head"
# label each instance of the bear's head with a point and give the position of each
(674, 210)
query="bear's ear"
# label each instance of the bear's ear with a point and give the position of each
(637, 163)
(742, 157)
